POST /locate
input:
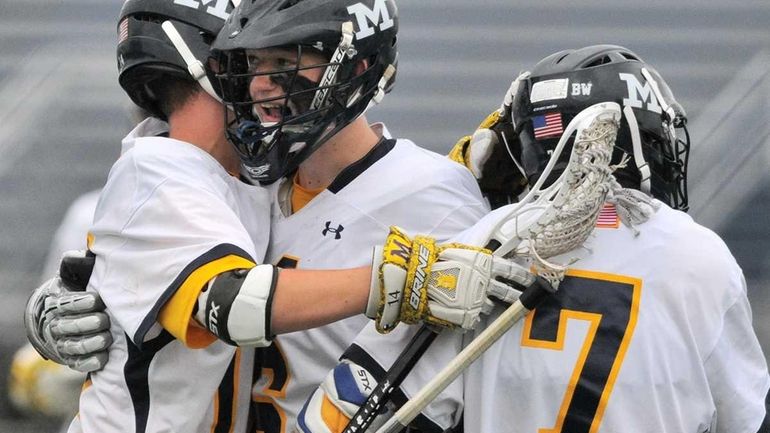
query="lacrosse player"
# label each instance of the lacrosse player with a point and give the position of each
(649, 331)
(311, 70)
(202, 266)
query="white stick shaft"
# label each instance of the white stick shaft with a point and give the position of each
(472, 351)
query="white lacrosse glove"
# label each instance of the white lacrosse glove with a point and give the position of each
(66, 324)
(489, 154)
(450, 285)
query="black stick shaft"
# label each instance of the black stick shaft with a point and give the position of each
(398, 371)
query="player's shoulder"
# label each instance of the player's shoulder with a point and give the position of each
(147, 148)
(155, 161)
(671, 245)
(683, 235)
(422, 171)
(424, 161)
(171, 156)
(414, 171)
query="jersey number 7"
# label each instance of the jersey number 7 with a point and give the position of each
(610, 305)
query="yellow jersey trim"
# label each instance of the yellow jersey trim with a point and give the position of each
(176, 314)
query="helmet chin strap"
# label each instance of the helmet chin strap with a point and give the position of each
(636, 142)
(380, 92)
(194, 66)
(330, 74)
(667, 108)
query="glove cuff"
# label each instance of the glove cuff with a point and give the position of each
(373, 302)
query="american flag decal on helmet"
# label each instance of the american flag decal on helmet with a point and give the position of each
(548, 125)
(123, 30)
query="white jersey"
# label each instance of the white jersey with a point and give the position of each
(648, 333)
(169, 219)
(72, 231)
(397, 183)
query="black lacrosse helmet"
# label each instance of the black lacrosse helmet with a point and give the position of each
(312, 112)
(145, 52)
(563, 84)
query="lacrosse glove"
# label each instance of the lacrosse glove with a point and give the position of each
(488, 153)
(447, 285)
(338, 398)
(66, 324)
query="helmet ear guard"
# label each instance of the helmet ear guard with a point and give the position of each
(195, 67)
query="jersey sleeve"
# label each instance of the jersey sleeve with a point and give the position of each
(737, 371)
(161, 231)
(464, 203)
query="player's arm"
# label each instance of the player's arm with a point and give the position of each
(765, 427)
(737, 370)
(411, 280)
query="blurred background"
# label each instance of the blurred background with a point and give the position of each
(62, 114)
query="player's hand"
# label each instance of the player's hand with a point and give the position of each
(66, 324)
(488, 153)
(450, 285)
(331, 406)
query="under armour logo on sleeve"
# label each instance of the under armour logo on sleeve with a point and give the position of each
(336, 231)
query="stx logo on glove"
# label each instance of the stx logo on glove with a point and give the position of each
(218, 10)
(379, 16)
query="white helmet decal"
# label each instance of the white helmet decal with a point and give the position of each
(219, 9)
(378, 16)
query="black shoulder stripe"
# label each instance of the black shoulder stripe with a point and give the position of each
(359, 356)
(354, 170)
(136, 373)
(215, 253)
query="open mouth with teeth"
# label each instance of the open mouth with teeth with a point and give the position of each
(272, 112)
(281, 110)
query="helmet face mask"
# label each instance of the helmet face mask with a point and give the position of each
(652, 140)
(320, 73)
(271, 93)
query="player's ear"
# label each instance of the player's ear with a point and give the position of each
(213, 64)
(361, 66)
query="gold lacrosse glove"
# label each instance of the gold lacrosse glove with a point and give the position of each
(447, 285)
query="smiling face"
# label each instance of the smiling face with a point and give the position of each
(284, 82)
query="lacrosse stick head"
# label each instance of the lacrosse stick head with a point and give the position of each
(559, 217)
